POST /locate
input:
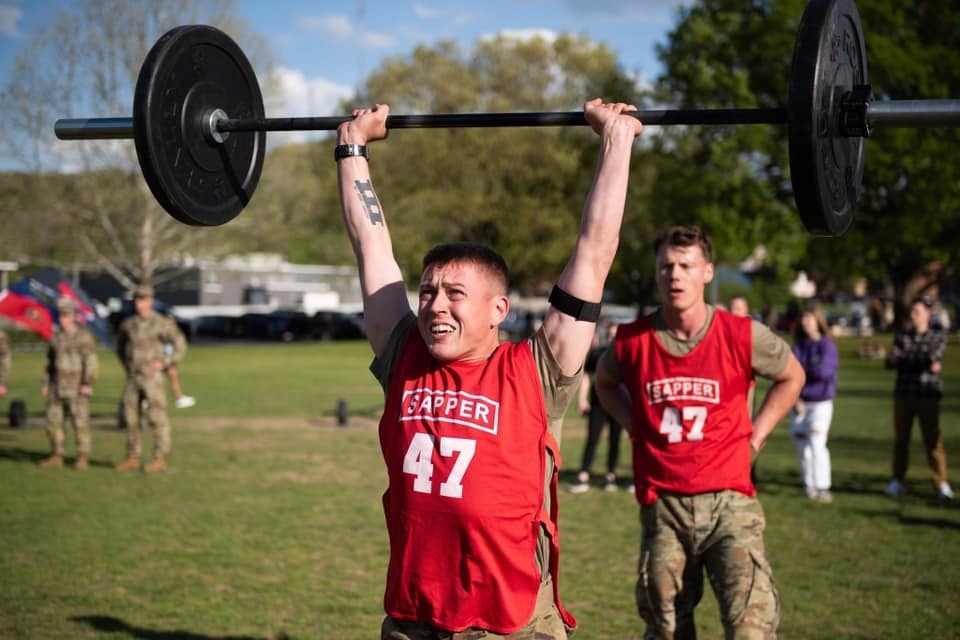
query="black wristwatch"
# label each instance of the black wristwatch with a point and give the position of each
(342, 151)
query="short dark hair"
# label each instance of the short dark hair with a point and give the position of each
(477, 254)
(686, 235)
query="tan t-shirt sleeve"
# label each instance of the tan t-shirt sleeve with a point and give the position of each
(382, 366)
(770, 352)
(558, 389)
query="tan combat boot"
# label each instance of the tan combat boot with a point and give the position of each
(156, 465)
(53, 462)
(132, 463)
(82, 462)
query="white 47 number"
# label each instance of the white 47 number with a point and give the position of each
(417, 462)
(671, 424)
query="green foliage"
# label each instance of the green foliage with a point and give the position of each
(736, 181)
(519, 190)
(269, 522)
(910, 211)
(522, 190)
(89, 197)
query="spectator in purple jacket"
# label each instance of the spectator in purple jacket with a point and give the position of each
(813, 412)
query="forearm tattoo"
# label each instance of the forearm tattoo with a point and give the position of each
(369, 200)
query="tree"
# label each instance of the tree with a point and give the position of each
(730, 180)
(735, 180)
(905, 235)
(519, 190)
(84, 63)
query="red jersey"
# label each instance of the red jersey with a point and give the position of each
(691, 424)
(465, 445)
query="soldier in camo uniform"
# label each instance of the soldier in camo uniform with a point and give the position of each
(680, 377)
(4, 363)
(141, 346)
(67, 384)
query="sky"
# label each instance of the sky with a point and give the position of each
(325, 49)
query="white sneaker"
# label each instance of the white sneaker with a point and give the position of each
(945, 491)
(185, 402)
(610, 483)
(824, 496)
(895, 489)
(582, 485)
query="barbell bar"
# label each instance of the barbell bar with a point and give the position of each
(199, 126)
(888, 113)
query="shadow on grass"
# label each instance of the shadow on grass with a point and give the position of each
(940, 523)
(17, 454)
(864, 392)
(109, 624)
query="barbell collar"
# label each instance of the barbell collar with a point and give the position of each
(93, 128)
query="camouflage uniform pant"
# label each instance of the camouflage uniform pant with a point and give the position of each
(546, 624)
(149, 387)
(721, 532)
(75, 410)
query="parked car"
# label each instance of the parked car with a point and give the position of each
(338, 325)
(284, 325)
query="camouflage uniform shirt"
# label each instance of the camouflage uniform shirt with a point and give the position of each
(71, 362)
(142, 341)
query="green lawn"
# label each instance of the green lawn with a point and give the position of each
(268, 524)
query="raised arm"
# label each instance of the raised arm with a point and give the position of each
(381, 282)
(586, 271)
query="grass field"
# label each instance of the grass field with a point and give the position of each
(268, 524)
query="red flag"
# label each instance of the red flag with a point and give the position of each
(27, 312)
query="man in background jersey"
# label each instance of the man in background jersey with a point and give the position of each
(680, 378)
(470, 427)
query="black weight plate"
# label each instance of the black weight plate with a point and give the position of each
(826, 168)
(191, 71)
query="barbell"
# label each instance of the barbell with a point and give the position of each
(200, 133)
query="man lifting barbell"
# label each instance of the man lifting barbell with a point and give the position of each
(471, 426)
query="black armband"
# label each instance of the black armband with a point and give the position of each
(573, 306)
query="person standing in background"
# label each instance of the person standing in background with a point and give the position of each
(142, 348)
(67, 384)
(588, 404)
(917, 355)
(813, 413)
(679, 378)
